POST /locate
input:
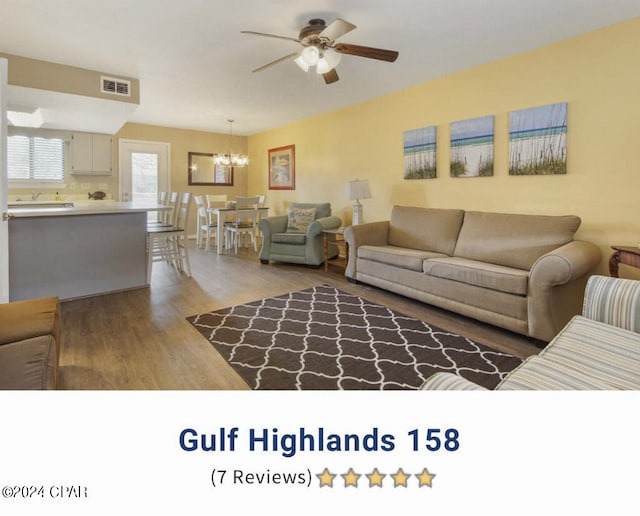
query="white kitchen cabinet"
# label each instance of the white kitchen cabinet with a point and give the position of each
(91, 154)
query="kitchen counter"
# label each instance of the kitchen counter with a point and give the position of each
(66, 208)
(91, 248)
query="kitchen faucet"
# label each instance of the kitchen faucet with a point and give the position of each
(35, 196)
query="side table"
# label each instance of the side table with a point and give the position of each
(625, 255)
(339, 241)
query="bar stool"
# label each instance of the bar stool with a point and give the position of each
(168, 243)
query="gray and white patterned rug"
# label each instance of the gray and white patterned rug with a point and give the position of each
(324, 338)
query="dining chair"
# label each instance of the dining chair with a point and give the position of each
(261, 202)
(168, 243)
(206, 223)
(213, 202)
(216, 198)
(245, 222)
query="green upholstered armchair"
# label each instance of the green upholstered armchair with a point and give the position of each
(286, 238)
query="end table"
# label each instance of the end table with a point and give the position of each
(625, 255)
(339, 241)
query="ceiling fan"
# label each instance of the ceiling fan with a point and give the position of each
(321, 49)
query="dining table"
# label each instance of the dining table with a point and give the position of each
(222, 215)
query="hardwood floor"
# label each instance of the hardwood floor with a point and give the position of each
(140, 339)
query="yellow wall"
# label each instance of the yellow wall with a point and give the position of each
(596, 73)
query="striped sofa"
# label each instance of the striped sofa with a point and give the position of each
(598, 350)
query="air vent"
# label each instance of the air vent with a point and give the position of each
(115, 86)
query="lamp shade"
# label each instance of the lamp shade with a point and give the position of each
(358, 189)
(310, 55)
(301, 63)
(329, 60)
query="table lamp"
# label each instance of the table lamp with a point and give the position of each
(356, 190)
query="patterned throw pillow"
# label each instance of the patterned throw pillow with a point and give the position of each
(299, 219)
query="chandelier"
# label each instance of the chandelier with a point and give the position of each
(230, 159)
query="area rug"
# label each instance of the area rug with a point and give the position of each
(324, 338)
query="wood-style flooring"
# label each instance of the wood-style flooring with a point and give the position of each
(140, 339)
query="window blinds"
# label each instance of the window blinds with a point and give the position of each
(35, 158)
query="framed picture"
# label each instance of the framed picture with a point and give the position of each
(420, 153)
(538, 140)
(472, 147)
(282, 168)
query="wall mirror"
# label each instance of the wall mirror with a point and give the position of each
(203, 171)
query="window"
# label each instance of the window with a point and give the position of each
(35, 158)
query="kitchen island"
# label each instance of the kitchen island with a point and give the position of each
(79, 250)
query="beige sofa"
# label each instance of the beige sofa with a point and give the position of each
(598, 350)
(29, 344)
(525, 273)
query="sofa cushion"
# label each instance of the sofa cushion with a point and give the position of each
(444, 381)
(501, 308)
(404, 258)
(513, 240)
(472, 272)
(299, 219)
(427, 229)
(603, 351)
(289, 238)
(538, 374)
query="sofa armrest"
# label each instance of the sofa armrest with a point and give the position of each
(613, 301)
(21, 320)
(371, 233)
(565, 264)
(29, 364)
(319, 225)
(562, 266)
(450, 382)
(270, 225)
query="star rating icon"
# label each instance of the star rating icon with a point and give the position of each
(351, 478)
(375, 478)
(400, 478)
(326, 478)
(425, 478)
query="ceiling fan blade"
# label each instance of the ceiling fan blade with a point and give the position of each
(331, 76)
(337, 28)
(269, 35)
(289, 56)
(371, 53)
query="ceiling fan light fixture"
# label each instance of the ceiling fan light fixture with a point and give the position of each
(323, 66)
(329, 60)
(310, 55)
(301, 63)
(319, 48)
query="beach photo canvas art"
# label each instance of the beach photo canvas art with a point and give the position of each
(420, 153)
(472, 147)
(538, 140)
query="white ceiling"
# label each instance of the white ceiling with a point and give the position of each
(194, 65)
